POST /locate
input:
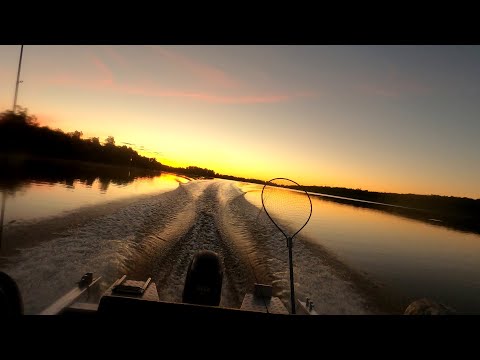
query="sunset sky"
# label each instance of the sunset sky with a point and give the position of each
(384, 118)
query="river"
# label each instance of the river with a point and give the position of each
(55, 232)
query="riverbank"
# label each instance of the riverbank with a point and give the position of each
(468, 224)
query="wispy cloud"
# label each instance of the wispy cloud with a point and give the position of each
(203, 71)
(103, 79)
(107, 83)
(213, 98)
(105, 72)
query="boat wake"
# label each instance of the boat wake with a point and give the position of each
(157, 237)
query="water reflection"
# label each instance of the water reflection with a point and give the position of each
(17, 173)
(414, 258)
(41, 188)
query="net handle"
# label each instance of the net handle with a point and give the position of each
(289, 240)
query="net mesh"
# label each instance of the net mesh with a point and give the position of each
(287, 205)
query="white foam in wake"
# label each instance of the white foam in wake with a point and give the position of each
(162, 233)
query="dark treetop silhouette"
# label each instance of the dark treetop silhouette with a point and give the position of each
(20, 133)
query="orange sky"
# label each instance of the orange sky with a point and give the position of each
(398, 119)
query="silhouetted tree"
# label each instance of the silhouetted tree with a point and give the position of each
(76, 134)
(110, 141)
(21, 134)
(19, 118)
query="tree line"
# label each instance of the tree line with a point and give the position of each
(437, 203)
(194, 171)
(20, 133)
(457, 212)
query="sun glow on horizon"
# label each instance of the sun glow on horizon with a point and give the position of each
(373, 118)
(189, 150)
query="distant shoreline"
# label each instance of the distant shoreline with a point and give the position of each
(460, 214)
(19, 159)
(423, 215)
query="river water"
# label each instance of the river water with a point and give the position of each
(164, 220)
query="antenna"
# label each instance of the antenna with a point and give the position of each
(18, 80)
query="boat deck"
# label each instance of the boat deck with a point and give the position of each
(271, 305)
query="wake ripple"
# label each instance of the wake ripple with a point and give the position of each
(157, 238)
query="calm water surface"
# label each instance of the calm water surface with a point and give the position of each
(413, 258)
(38, 200)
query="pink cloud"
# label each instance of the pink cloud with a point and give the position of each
(103, 79)
(105, 72)
(206, 72)
(102, 84)
(70, 80)
(209, 97)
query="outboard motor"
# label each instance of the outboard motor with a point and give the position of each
(11, 303)
(203, 284)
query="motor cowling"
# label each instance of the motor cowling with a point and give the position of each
(203, 283)
(11, 303)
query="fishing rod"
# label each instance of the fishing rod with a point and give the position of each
(4, 194)
(18, 80)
